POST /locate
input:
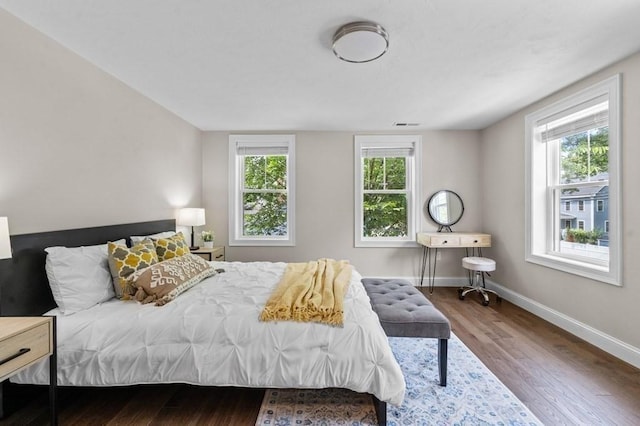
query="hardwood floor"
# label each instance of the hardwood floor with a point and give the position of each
(562, 379)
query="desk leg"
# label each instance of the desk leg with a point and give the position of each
(53, 377)
(432, 275)
(426, 263)
(423, 264)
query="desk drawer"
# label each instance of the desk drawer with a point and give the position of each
(36, 339)
(445, 241)
(476, 240)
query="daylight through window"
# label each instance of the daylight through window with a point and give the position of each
(572, 154)
(261, 206)
(386, 188)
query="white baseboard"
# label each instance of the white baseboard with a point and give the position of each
(607, 343)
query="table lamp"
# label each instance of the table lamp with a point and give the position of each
(5, 241)
(191, 217)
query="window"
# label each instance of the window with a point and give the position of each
(600, 207)
(261, 193)
(573, 151)
(567, 224)
(387, 189)
(567, 206)
(606, 226)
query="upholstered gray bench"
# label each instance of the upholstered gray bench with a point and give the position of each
(405, 312)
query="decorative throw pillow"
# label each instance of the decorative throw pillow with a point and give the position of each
(124, 261)
(135, 239)
(168, 248)
(164, 281)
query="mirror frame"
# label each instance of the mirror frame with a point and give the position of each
(444, 225)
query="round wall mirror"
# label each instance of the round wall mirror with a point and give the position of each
(445, 208)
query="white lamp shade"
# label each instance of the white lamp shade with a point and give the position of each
(191, 217)
(5, 242)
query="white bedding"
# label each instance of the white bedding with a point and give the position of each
(211, 335)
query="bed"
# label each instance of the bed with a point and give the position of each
(209, 335)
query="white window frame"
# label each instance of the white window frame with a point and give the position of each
(567, 206)
(599, 205)
(539, 213)
(236, 176)
(581, 225)
(414, 179)
(581, 205)
(606, 226)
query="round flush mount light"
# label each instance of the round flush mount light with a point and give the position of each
(360, 42)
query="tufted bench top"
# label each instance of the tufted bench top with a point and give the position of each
(404, 311)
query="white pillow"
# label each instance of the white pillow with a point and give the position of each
(79, 277)
(135, 239)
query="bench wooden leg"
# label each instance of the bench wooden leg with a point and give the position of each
(381, 411)
(442, 360)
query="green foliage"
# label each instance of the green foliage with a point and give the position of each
(264, 199)
(581, 158)
(384, 173)
(265, 172)
(584, 237)
(384, 213)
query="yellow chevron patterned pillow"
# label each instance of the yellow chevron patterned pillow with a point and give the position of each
(168, 248)
(124, 261)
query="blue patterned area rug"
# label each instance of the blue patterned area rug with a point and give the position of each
(473, 395)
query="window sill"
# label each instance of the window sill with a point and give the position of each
(262, 243)
(575, 267)
(383, 244)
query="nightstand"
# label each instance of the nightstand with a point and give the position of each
(215, 253)
(25, 341)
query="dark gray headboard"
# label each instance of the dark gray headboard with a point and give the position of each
(24, 288)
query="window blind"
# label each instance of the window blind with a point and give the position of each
(590, 115)
(379, 152)
(242, 149)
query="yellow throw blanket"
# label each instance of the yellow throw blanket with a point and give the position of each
(310, 292)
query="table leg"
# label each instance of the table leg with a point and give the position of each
(53, 377)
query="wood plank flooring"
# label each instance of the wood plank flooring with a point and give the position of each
(562, 379)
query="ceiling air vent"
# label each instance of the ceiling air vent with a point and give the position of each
(405, 124)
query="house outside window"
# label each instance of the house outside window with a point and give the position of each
(573, 155)
(567, 206)
(387, 188)
(261, 193)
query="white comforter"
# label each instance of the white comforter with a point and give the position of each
(211, 335)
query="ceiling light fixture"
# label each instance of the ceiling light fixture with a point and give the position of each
(361, 41)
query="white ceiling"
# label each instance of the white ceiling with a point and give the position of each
(267, 64)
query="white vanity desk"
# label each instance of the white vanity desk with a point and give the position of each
(440, 240)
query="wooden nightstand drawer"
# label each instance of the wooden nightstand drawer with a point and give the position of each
(34, 341)
(215, 253)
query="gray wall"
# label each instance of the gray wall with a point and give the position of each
(325, 199)
(606, 308)
(79, 148)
